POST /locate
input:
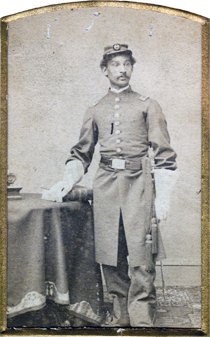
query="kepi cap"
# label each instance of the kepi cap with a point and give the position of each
(116, 48)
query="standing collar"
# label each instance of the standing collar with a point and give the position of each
(117, 91)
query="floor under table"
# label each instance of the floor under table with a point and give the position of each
(177, 307)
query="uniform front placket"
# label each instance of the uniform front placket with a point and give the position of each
(117, 123)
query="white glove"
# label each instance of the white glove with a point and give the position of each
(73, 173)
(164, 183)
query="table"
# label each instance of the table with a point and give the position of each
(51, 255)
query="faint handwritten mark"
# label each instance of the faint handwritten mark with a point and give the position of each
(48, 31)
(95, 14)
(87, 29)
(151, 28)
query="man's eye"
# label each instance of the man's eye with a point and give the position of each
(127, 64)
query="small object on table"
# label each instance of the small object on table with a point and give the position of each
(13, 192)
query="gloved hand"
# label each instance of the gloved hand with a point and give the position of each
(164, 183)
(73, 173)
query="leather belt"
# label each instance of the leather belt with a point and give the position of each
(122, 164)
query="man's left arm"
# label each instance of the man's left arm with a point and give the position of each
(164, 159)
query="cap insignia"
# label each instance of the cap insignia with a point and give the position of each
(116, 46)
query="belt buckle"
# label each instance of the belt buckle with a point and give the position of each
(118, 164)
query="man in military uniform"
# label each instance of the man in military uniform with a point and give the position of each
(126, 124)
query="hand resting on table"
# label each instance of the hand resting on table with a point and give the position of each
(73, 174)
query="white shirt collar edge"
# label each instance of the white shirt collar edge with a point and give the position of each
(117, 91)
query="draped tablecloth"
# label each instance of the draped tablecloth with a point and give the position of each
(51, 255)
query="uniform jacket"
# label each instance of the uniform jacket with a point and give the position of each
(124, 124)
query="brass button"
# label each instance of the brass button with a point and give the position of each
(117, 115)
(116, 106)
(118, 141)
(117, 132)
(119, 150)
(117, 99)
(116, 123)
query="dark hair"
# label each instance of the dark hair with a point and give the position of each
(109, 57)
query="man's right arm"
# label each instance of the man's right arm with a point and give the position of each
(78, 162)
(84, 149)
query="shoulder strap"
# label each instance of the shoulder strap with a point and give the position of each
(143, 98)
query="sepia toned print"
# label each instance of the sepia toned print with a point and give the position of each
(104, 169)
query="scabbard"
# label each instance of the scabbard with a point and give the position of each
(154, 227)
(149, 259)
(151, 225)
(148, 193)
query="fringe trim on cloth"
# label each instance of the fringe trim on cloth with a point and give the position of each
(30, 302)
(84, 311)
(34, 301)
(53, 294)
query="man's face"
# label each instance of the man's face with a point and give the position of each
(119, 71)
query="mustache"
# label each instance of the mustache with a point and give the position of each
(124, 76)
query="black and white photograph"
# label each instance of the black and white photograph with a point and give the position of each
(104, 168)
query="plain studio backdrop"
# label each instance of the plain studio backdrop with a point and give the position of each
(54, 76)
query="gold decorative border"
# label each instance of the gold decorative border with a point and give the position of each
(205, 174)
(205, 22)
(124, 4)
(3, 176)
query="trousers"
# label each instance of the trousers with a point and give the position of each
(133, 295)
